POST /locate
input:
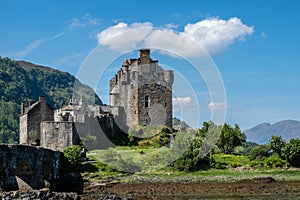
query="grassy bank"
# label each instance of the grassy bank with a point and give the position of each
(230, 168)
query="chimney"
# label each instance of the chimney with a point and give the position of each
(23, 107)
(31, 102)
(145, 56)
(42, 98)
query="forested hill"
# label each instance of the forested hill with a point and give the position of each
(23, 80)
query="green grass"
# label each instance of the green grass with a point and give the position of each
(230, 174)
(231, 161)
(124, 157)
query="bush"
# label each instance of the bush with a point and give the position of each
(255, 163)
(218, 165)
(274, 161)
(73, 154)
(235, 164)
(259, 152)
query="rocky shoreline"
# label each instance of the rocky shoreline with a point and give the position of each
(39, 194)
(258, 188)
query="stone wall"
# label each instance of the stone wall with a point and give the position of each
(25, 167)
(31, 119)
(58, 135)
(156, 109)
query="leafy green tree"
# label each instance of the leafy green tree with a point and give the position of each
(192, 159)
(247, 147)
(277, 145)
(230, 138)
(259, 152)
(73, 154)
(292, 152)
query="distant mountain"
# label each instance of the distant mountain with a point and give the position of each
(20, 80)
(262, 133)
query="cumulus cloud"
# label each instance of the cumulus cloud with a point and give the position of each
(180, 103)
(85, 20)
(123, 37)
(216, 34)
(217, 105)
(213, 34)
(173, 42)
(171, 26)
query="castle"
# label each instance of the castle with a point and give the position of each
(140, 93)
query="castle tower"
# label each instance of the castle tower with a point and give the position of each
(143, 90)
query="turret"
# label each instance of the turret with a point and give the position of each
(169, 76)
(145, 56)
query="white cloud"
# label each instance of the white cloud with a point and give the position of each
(171, 26)
(82, 22)
(29, 48)
(217, 105)
(180, 103)
(216, 34)
(57, 36)
(173, 42)
(213, 34)
(35, 44)
(263, 34)
(130, 35)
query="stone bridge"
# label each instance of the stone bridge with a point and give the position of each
(25, 167)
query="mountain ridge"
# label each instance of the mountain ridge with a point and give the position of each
(263, 132)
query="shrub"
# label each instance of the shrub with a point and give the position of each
(73, 154)
(218, 165)
(274, 161)
(259, 152)
(255, 163)
(235, 164)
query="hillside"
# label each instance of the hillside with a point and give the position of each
(23, 80)
(262, 133)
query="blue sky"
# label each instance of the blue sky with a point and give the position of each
(257, 55)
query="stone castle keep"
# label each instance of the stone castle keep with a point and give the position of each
(144, 90)
(140, 93)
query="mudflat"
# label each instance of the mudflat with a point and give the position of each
(257, 188)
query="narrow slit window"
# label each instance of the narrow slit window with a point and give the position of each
(147, 101)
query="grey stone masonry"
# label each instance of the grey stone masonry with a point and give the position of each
(24, 167)
(143, 90)
(31, 118)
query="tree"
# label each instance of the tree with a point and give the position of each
(260, 152)
(193, 159)
(292, 152)
(230, 138)
(277, 145)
